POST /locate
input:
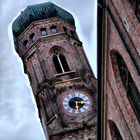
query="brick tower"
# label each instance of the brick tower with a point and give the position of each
(61, 78)
(120, 22)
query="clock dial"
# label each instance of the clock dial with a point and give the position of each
(76, 103)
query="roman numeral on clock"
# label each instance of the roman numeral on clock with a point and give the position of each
(73, 95)
(84, 96)
(79, 94)
(87, 105)
(66, 101)
(79, 111)
(66, 105)
(68, 109)
(83, 108)
(68, 97)
(73, 110)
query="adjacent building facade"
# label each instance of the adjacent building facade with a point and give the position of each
(120, 51)
(60, 75)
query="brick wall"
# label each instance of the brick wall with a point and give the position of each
(119, 109)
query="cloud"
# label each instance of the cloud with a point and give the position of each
(18, 113)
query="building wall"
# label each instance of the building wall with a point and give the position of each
(122, 35)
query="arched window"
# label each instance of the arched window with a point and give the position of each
(43, 31)
(53, 29)
(60, 63)
(115, 133)
(132, 92)
(32, 37)
(26, 44)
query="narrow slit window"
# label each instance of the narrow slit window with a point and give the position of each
(60, 63)
(137, 3)
(65, 29)
(137, 9)
(72, 33)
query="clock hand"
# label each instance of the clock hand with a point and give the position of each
(76, 102)
(76, 106)
(82, 102)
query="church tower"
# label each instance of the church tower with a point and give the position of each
(61, 78)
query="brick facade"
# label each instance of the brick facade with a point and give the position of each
(122, 38)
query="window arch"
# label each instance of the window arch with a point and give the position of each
(26, 44)
(60, 62)
(53, 29)
(120, 69)
(32, 37)
(115, 133)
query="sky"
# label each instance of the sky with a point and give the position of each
(18, 113)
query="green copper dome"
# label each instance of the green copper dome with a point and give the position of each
(38, 12)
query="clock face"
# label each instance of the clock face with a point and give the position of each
(76, 103)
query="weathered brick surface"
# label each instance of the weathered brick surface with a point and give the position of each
(119, 109)
(85, 134)
(126, 11)
(50, 88)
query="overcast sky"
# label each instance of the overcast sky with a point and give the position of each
(18, 114)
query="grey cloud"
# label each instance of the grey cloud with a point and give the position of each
(18, 113)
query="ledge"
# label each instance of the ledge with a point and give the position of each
(65, 130)
(65, 73)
